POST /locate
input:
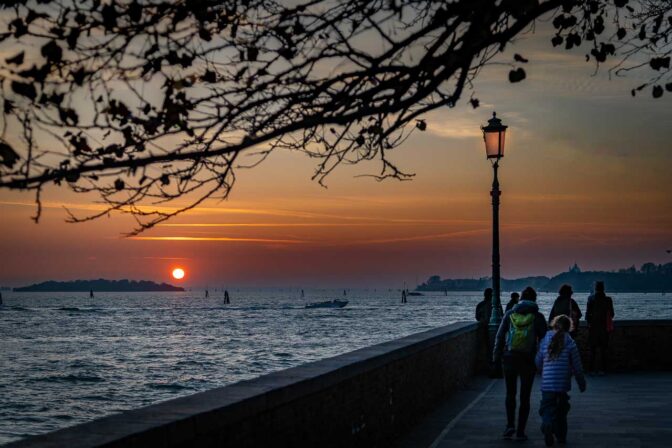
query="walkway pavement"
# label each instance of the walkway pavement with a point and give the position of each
(619, 410)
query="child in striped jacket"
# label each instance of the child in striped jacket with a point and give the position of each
(557, 359)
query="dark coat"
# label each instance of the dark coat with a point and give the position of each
(484, 311)
(568, 307)
(598, 312)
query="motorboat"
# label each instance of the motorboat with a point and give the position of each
(328, 304)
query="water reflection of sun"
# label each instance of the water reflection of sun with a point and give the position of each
(178, 273)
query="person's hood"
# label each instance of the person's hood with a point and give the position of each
(526, 307)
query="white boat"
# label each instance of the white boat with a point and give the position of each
(328, 304)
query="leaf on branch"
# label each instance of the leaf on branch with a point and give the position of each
(8, 156)
(52, 52)
(24, 89)
(668, 86)
(474, 102)
(658, 63)
(621, 33)
(519, 58)
(657, 91)
(517, 75)
(119, 184)
(72, 38)
(209, 76)
(16, 59)
(421, 124)
(109, 13)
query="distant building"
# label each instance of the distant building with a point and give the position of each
(575, 269)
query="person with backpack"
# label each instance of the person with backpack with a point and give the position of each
(600, 317)
(565, 305)
(558, 358)
(515, 347)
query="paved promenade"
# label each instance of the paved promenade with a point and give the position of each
(619, 410)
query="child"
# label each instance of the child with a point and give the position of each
(558, 358)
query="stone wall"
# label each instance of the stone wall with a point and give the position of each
(365, 398)
(634, 345)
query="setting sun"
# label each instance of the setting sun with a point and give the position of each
(178, 273)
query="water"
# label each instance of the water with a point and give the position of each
(67, 359)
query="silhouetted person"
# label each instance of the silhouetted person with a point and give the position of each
(600, 317)
(91, 294)
(445, 292)
(484, 308)
(564, 304)
(515, 347)
(227, 300)
(0, 299)
(403, 296)
(302, 294)
(207, 294)
(514, 300)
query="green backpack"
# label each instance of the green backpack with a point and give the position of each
(522, 337)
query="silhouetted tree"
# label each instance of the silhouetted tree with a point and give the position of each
(147, 101)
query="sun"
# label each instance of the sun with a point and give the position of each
(178, 273)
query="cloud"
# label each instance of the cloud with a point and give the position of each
(224, 239)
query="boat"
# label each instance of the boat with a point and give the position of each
(413, 293)
(328, 304)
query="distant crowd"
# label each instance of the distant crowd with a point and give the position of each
(526, 343)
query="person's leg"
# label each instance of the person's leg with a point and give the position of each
(526, 380)
(605, 353)
(560, 426)
(593, 352)
(547, 410)
(511, 380)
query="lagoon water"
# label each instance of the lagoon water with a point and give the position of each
(67, 359)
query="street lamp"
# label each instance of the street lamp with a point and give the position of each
(494, 136)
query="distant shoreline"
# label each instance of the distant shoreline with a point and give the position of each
(100, 285)
(650, 278)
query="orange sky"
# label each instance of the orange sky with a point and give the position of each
(586, 178)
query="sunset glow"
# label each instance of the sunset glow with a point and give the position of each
(178, 273)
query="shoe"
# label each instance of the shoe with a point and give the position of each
(508, 433)
(521, 437)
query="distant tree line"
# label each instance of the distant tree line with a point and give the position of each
(650, 277)
(100, 285)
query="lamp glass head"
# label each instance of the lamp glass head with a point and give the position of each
(494, 135)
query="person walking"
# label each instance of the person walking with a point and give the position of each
(600, 318)
(565, 305)
(515, 297)
(515, 347)
(558, 358)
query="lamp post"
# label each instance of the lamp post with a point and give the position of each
(494, 135)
